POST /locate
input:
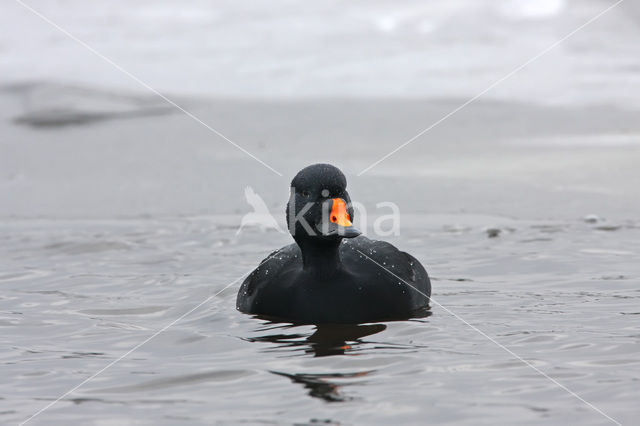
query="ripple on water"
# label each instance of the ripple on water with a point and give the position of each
(180, 380)
(144, 310)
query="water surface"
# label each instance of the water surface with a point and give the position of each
(78, 294)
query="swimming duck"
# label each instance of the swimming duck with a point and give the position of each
(332, 273)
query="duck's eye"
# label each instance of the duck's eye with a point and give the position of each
(305, 193)
(325, 193)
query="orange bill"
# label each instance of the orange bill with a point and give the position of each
(339, 213)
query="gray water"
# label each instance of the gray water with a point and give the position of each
(563, 295)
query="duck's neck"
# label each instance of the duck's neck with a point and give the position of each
(321, 257)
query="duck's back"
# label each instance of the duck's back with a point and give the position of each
(266, 290)
(377, 282)
(396, 277)
(363, 253)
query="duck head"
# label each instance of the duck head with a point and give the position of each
(319, 208)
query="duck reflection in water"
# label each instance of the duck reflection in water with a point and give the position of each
(325, 341)
(320, 385)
